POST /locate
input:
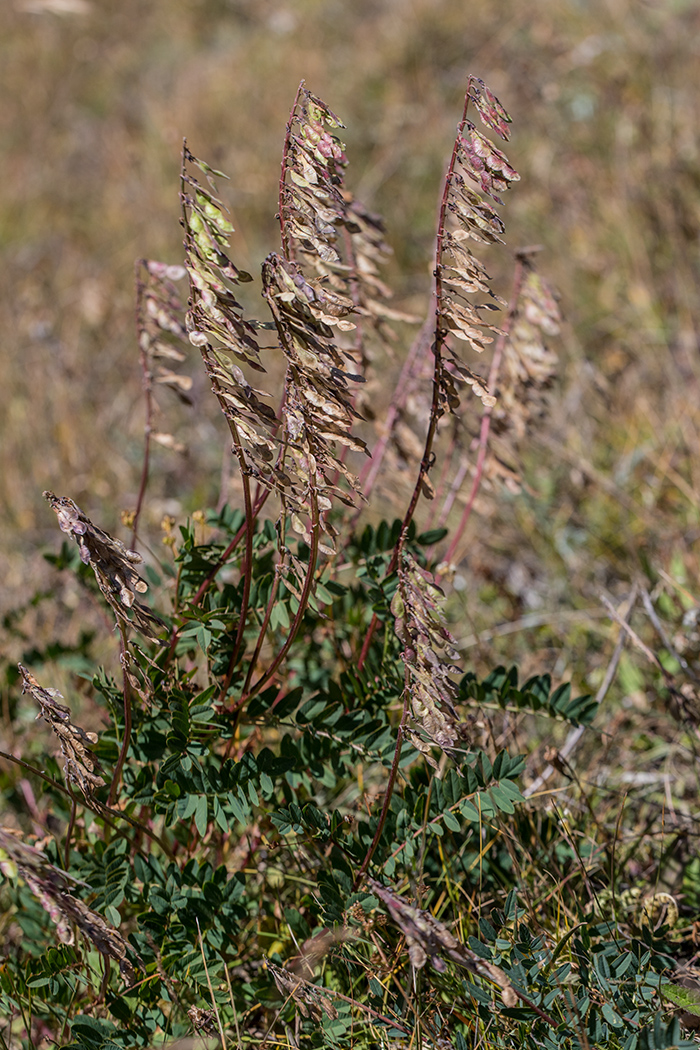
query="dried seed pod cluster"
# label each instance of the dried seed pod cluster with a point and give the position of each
(468, 216)
(427, 643)
(324, 227)
(217, 327)
(113, 565)
(162, 335)
(51, 888)
(81, 766)
(427, 938)
(312, 206)
(529, 367)
(318, 410)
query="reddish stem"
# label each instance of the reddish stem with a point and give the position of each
(126, 692)
(369, 473)
(263, 628)
(147, 382)
(303, 602)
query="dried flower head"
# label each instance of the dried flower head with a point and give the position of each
(112, 563)
(203, 1020)
(81, 766)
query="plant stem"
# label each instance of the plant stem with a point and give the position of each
(369, 473)
(263, 629)
(389, 788)
(147, 382)
(93, 805)
(248, 560)
(126, 693)
(303, 602)
(69, 832)
(37, 772)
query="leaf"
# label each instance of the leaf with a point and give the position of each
(451, 821)
(219, 815)
(469, 811)
(687, 998)
(200, 814)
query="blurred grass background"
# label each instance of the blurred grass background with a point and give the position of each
(604, 96)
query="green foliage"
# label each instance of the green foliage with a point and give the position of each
(536, 694)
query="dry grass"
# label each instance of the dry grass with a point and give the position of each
(602, 96)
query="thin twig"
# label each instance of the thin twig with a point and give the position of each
(147, 383)
(634, 637)
(651, 613)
